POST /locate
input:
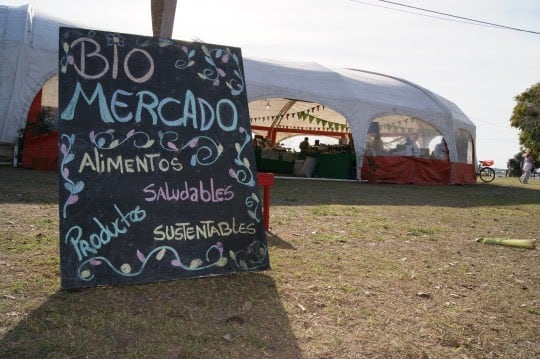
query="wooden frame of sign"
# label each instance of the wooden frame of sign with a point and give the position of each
(156, 162)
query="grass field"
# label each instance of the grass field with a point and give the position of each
(358, 271)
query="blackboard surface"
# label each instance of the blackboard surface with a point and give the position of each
(157, 176)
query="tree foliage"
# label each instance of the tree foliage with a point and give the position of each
(526, 117)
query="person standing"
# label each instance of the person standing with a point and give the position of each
(304, 145)
(527, 166)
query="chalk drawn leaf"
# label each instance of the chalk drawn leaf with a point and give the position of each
(63, 149)
(219, 246)
(148, 144)
(237, 147)
(194, 142)
(252, 214)
(114, 144)
(172, 146)
(221, 72)
(92, 136)
(232, 173)
(130, 133)
(225, 58)
(79, 186)
(191, 53)
(218, 53)
(85, 274)
(229, 85)
(195, 263)
(238, 162)
(193, 161)
(94, 262)
(100, 142)
(210, 61)
(69, 158)
(191, 63)
(232, 255)
(176, 263)
(219, 149)
(185, 49)
(202, 76)
(65, 172)
(237, 73)
(164, 42)
(243, 265)
(216, 82)
(205, 50)
(69, 186)
(66, 47)
(160, 254)
(246, 162)
(140, 256)
(72, 199)
(222, 262)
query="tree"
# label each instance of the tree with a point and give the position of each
(526, 117)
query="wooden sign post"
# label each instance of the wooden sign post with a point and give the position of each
(157, 176)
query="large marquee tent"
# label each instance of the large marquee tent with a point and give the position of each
(285, 99)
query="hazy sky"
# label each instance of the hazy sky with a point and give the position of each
(479, 68)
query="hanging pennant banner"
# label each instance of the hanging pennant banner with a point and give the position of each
(155, 157)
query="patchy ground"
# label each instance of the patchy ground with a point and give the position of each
(358, 271)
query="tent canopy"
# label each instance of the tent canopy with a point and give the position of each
(297, 96)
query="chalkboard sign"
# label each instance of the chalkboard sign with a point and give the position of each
(157, 176)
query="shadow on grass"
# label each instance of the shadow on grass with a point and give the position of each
(233, 316)
(276, 241)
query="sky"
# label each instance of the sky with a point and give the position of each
(479, 68)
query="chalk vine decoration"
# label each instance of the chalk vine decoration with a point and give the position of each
(253, 257)
(74, 188)
(157, 254)
(219, 57)
(244, 175)
(186, 60)
(252, 203)
(107, 141)
(208, 151)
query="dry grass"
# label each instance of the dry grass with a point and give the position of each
(358, 271)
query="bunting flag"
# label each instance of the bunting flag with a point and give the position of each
(307, 114)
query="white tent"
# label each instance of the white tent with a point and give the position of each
(349, 97)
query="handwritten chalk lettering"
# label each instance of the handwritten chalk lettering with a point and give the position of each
(90, 51)
(196, 112)
(197, 193)
(187, 231)
(147, 163)
(106, 232)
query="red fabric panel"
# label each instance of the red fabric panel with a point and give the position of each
(410, 170)
(41, 151)
(464, 173)
(35, 107)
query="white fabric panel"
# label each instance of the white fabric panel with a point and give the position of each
(29, 57)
